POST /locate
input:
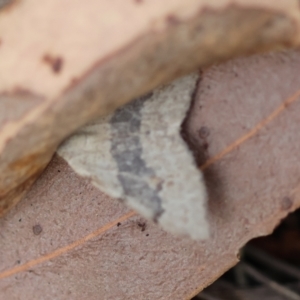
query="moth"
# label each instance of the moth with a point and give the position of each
(137, 154)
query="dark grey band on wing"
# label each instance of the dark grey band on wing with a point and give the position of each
(126, 150)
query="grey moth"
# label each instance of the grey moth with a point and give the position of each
(137, 154)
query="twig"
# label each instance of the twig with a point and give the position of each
(271, 284)
(272, 262)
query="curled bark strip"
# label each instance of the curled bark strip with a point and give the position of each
(81, 68)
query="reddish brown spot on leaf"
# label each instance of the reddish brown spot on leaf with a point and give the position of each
(203, 132)
(7, 5)
(37, 229)
(74, 80)
(172, 20)
(142, 225)
(286, 203)
(56, 63)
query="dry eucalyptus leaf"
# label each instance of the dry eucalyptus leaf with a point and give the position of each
(137, 154)
(245, 127)
(66, 62)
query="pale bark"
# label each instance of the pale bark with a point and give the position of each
(65, 62)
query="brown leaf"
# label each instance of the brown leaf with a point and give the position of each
(65, 62)
(92, 245)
